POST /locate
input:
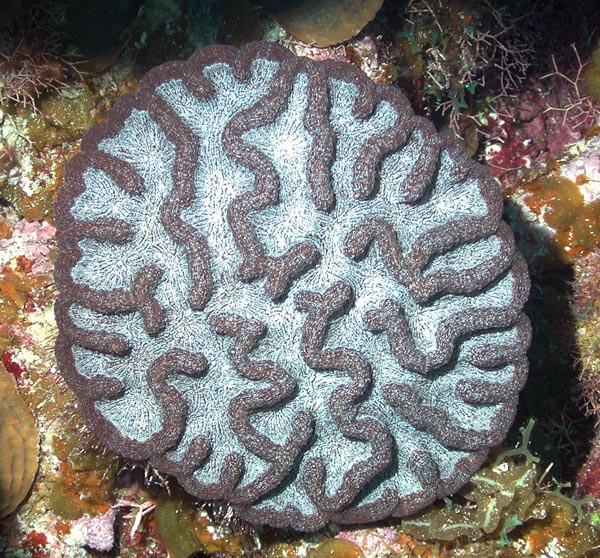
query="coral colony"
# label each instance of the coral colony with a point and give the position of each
(286, 290)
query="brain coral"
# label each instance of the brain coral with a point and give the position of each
(19, 445)
(286, 290)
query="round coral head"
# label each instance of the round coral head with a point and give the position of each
(282, 287)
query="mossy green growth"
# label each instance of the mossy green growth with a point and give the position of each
(335, 548)
(184, 529)
(507, 511)
(497, 500)
(175, 526)
(85, 476)
(591, 75)
(66, 116)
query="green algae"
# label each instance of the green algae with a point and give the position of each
(184, 529)
(65, 116)
(506, 510)
(174, 517)
(335, 548)
(51, 130)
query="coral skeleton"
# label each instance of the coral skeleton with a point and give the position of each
(282, 287)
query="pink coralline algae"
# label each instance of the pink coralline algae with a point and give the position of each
(283, 288)
(97, 533)
(30, 239)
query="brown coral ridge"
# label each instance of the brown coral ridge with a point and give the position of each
(19, 442)
(280, 273)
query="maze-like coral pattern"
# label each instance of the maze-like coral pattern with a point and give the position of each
(282, 287)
